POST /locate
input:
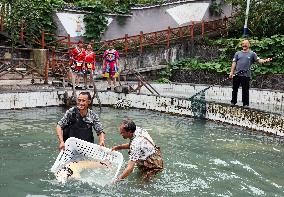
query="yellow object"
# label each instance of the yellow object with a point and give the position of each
(106, 75)
(89, 65)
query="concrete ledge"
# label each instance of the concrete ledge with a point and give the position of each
(271, 100)
(272, 123)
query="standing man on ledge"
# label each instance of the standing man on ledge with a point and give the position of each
(78, 122)
(142, 151)
(241, 66)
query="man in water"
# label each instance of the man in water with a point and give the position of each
(241, 66)
(78, 122)
(142, 151)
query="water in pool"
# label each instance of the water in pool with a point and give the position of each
(202, 158)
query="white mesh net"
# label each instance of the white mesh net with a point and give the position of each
(79, 150)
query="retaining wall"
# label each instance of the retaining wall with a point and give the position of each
(264, 99)
(272, 123)
(162, 55)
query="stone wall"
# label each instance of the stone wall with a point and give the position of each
(161, 55)
(271, 123)
(265, 100)
(20, 100)
(269, 81)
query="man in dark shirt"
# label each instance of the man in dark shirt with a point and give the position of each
(78, 122)
(241, 68)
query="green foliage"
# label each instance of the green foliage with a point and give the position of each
(265, 17)
(163, 80)
(96, 21)
(272, 47)
(215, 8)
(146, 1)
(196, 64)
(36, 15)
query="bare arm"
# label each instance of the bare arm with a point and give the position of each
(127, 170)
(233, 67)
(120, 147)
(264, 60)
(102, 139)
(117, 62)
(60, 138)
(104, 63)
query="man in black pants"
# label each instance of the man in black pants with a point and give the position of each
(241, 66)
(78, 122)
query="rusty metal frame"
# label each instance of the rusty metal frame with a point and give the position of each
(141, 81)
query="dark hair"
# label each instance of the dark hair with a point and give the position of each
(129, 125)
(86, 93)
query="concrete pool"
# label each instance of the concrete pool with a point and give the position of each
(202, 158)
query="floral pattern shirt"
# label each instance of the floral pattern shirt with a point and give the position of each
(91, 117)
(140, 147)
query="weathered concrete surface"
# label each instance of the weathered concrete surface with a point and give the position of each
(272, 123)
(155, 56)
(263, 99)
(40, 58)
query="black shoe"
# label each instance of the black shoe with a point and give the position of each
(91, 87)
(109, 88)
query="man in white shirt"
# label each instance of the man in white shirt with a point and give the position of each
(142, 150)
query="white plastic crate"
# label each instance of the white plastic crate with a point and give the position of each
(76, 150)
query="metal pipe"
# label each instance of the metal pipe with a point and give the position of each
(245, 33)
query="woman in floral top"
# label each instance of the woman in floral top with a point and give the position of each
(142, 150)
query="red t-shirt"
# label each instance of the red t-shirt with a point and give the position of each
(78, 54)
(90, 59)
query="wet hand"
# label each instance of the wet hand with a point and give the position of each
(61, 146)
(102, 143)
(115, 181)
(114, 148)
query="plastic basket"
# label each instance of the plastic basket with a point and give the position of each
(76, 149)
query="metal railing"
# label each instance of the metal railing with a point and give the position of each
(18, 63)
(58, 49)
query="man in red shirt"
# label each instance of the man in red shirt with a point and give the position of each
(77, 57)
(89, 65)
